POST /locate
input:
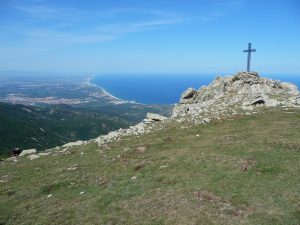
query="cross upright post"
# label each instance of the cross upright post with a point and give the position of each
(249, 50)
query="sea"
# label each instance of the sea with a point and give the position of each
(161, 88)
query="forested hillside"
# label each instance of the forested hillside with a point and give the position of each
(45, 127)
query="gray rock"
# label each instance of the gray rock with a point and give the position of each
(155, 117)
(76, 143)
(188, 95)
(258, 101)
(206, 120)
(297, 101)
(272, 102)
(246, 103)
(292, 88)
(28, 152)
(147, 121)
(44, 153)
(31, 157)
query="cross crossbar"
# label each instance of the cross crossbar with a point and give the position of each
(249, 50)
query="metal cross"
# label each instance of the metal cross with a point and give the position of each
(249, 56)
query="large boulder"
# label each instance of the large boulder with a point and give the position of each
(155, 117)
(76, 143)
(188, 95)
(28, 152)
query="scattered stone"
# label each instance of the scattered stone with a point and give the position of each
(133, 178)
(14, 159)
(206, 120)
(247, 164)
(126, 149)
(139, 166)
(244, 166)
(31, 157)
(72, 168)
(204, 195)
(49, 196)
(163, 166)
(141, 149)
(76, 143)
(81, 193)
(4, 179)
(140, 128)
(28, 152)
(167, 139)
(101, 181)
(64, 150)
(44, 153)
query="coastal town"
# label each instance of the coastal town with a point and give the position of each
(16, 99)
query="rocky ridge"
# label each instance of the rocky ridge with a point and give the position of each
(240, 94)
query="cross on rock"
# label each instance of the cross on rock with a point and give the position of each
(249, 50)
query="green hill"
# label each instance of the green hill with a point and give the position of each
(243, 170)
(45, 127)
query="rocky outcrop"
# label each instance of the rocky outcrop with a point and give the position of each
(241, 93)
(244, 90)
(224, 96)
(151, 122)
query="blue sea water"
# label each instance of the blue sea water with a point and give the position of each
(160, 88)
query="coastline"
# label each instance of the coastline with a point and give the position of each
(115, 99)
(134, 89)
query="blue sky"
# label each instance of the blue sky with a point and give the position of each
(157, 36)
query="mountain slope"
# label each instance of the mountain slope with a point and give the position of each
(46, 127)
(228, 155)
(240, 171)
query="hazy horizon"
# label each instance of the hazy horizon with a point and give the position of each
(135, 73)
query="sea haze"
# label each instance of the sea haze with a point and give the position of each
(160, 88)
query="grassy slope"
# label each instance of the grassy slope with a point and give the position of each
(179, 166)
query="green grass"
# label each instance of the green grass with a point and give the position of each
(185, 178)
